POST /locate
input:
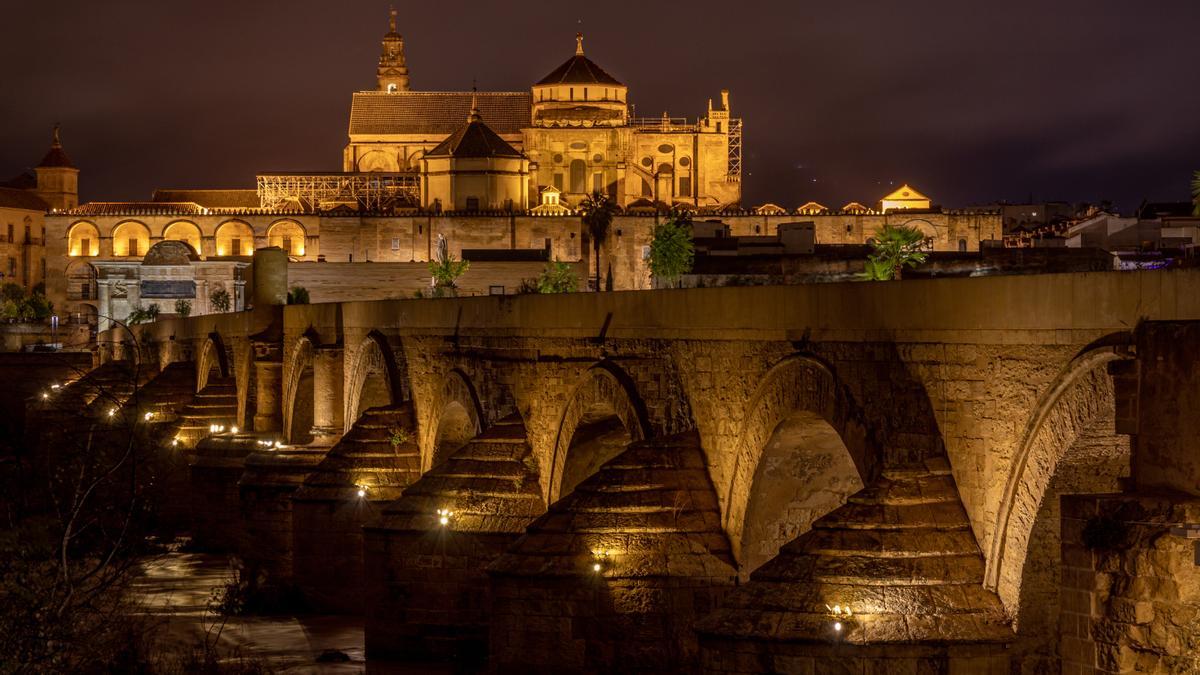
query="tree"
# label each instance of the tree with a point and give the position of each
(557, 277)
(220, 300)
(1196, 194)
(16, 305)
(893, 249)
(444, 268)
(298, 296)
(143, 315)
(671, 250)
(183, 307)
(598, 210)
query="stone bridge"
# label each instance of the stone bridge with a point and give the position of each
(582, 476)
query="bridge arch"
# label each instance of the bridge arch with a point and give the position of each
(1072, 424)
(298, 390)
(603, 414)
(213, 357)
(801, 450)
(375, 378)
(458, 418)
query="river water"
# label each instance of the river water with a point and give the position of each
(175, 591)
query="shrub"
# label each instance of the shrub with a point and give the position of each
(893, 249)
(557, 277)
(220, 300)
(298, 296)
(671, 250)
(183, 307)
(143, 315)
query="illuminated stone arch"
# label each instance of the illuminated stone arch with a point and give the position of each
(375, 378)
(458, 419)
(378, 161)
(604, 392)
(79, 233)
(298, 389)
(234, 237)
(185, 231)
(81, 280)
(288, 235)
(802, 391)
(1081, 393)
(212, 357)
(130, 238)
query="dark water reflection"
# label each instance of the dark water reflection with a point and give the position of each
(176, 591)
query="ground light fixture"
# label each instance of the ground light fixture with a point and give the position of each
(362, 491)
(233, 430)
(148, 416)
(444, 516)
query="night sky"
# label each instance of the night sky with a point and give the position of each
(971, 102)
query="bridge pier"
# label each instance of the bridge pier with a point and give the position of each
(889, 582)
(366, 469)
(328, 425)
(426, 581)
(268, 383)
(613, 576)
(216, 467)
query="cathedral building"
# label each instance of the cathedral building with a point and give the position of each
(573, 125)
(497, 175)
(52, 186)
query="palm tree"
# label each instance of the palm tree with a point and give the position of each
(597, 210)
(1196, 194)
(894, 249)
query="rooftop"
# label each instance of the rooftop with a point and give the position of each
(436, 112)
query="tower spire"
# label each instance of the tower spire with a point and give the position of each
(55, 141)
(579, 44)
(392, 73)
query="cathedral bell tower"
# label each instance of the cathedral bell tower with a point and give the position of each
(57, 177)
(393, 71)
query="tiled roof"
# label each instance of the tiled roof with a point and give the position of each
(23, 181)
(55, 158)
(474, 139)
(142, 208)
(579, 69)
(436, 112)
(213, 199)
(12, 198)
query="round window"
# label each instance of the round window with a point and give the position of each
(558, 159)
(647, 162)
(685, 161)
(598, 158)
(579, 145)
(666, 148)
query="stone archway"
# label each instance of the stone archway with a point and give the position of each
(603, 414)
(298, 391)
(375, 378)
(212, 357)
(801, 424)
(459, 419)
(1069, 446)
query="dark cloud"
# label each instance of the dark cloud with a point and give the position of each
(972, 101)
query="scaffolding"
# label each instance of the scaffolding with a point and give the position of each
(734, 174)
(321, 192)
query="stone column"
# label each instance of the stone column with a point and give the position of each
(268, 415)
(327, 393)
(103, 292)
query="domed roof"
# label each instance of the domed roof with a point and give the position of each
(579, 69)
(170, 252)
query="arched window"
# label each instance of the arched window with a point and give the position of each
(184, 231)
(131, 239)
(289, 236)
(235, 238)
(83, 240)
